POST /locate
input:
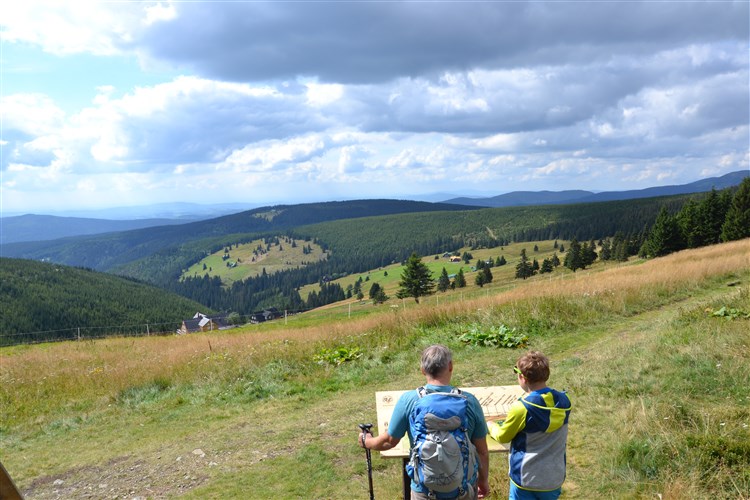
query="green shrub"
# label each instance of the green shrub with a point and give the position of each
(338, 355)
(494, 336)
(730, 313)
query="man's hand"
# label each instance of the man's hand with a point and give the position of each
(362, 438)
(483, 490)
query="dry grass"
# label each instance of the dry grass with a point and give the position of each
(98, 368)
(45, 388)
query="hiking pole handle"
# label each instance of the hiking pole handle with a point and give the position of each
(365, 431)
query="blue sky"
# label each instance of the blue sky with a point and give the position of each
(130, 103)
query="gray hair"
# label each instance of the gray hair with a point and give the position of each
(436, 359)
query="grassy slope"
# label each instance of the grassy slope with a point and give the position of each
(658, 384)
(502, 274)
(251, 263)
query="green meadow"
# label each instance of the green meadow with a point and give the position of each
(655, 355)
(245, 260)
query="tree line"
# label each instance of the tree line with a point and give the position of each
(718, 217)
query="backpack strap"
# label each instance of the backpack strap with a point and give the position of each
(423, 391)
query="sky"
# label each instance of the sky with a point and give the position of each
(110, 104)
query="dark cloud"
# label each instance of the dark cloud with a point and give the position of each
(358, 42)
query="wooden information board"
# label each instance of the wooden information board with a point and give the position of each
(495, 403)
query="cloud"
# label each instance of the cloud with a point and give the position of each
(389, 96)
(365, 42)
(71, 27)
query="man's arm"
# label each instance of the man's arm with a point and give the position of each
(380, 443)
(483, 479)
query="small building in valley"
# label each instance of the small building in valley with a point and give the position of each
(204, 323)
(265, 315)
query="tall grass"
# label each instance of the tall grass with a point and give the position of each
(650, 389)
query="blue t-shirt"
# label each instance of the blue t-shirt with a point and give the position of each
(399, 424)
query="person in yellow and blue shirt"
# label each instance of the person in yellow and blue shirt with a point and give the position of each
(537, 429)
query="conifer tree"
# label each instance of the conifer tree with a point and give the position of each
(573, 259)
(737, 221)
(374, 289)
(416, 279)
(546, 266)
(487, 275)
(588, 253)
(606, 253)
(460, 280)
(443, 281)
(555, 260)
(710, 216)
(523, 268)
(480, 279)
(665, 237)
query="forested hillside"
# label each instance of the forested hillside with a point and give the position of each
(55, 300)
(354, 244)
(105, 252)
(368, 243)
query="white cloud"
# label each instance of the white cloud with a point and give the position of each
(70, 27)
(319, 94)
(33, 114)
(288, 91)
(160, 12)
(269, 155)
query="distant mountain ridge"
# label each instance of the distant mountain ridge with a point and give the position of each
(50, 227)
(529, 198)
(105, 251)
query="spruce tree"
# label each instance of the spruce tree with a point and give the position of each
(460, 280)
(416, 279)
(443, 281)
(573, 259)
(487, 275)
(546, 266)
(374, 289)
(480, 279)
(555, 260)
(523, 268)
(588, 254)
(665, 237)
(737, 221)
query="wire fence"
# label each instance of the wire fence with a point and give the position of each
(89, 333)
(138, 330)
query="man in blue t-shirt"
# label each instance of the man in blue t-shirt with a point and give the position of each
(437, 367)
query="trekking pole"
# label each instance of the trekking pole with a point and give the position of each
(365, 431)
